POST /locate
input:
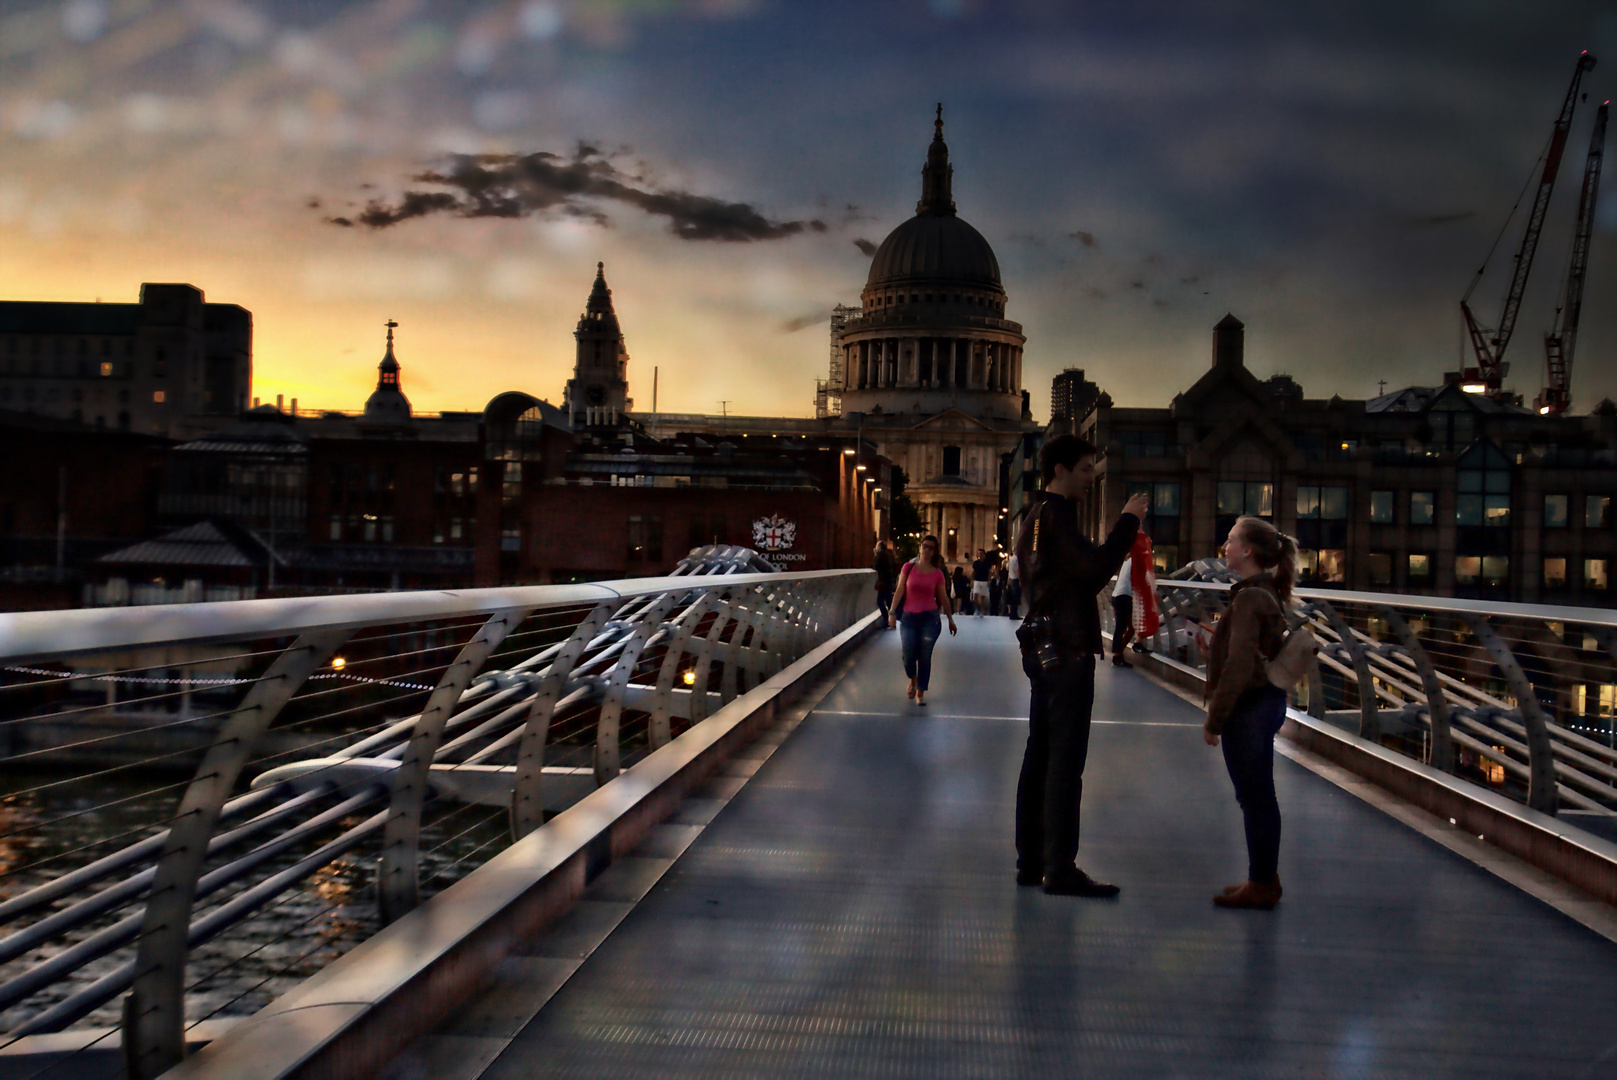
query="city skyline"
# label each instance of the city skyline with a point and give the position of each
(1331, 179)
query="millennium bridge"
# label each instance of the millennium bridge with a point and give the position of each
(690, 826)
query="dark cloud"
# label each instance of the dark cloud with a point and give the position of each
(513, 186)
(1085, 238)
(865, 246)
(803, 322)
(1428, 221)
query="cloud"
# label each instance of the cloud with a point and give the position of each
(1428, 221)
(865, 246)
(1085, 238)
(803, 322)
(542, 183)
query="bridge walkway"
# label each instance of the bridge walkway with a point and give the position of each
(852, 913)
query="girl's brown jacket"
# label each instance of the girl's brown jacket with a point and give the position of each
(1248, 636)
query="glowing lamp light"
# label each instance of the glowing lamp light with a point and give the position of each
(1543, 410)
(876, 489)
(861, 468)
(850, 451)
(1474, 387)
(689, 678)
(338, 663)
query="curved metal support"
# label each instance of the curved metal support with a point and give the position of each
(746, 617)
(1541, 793)
(1437, 706)
(660, 726)
(154, 1011)
(527, 795)
(608, 752)
(1316, 684)
(1369, 709)
(398, 889)
(724, 614)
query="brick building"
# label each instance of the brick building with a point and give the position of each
(1420, 490)
(171, 365)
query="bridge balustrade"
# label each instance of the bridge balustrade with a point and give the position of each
(1517, 698)
(203, 804)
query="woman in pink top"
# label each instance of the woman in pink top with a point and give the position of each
(922, 590)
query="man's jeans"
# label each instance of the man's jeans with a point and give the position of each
(1052, 782)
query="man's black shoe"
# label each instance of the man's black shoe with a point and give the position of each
(1029, 877)
(1119, 661)
(1075, 882)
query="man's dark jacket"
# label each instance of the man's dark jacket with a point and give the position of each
(1061, 578)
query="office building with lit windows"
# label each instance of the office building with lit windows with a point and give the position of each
(1420, 490)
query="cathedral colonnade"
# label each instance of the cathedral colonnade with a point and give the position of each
(961, 363)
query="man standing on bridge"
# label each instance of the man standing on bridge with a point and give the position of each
(1063, 571)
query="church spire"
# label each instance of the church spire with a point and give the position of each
(387, 377)
(937, 175)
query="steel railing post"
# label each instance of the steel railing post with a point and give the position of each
(154, 1011)
(608, 751)
(1369, 707)
(1541, 793)
(398, 886)
(527, 788)
(1437, 705)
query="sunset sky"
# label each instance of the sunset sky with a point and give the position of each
(1331, 173)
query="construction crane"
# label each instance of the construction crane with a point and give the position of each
(1558, 343)
(1488, 349)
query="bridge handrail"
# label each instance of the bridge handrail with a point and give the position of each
(1544, 612)
(32, 635)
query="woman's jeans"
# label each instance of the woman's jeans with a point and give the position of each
(1249, 755)
(917, 633)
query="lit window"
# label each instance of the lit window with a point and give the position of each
(336, 527)
(1422, 507)
(510, 539)
(1467, 569)
(1332, 565)
(1555, 573)
(1381, 508)
(106, 369)
(456, 529)
(1594, 573)
(1420, 567)
(1597, 512)
(159, 396)
(1495, 569)
(387, 528)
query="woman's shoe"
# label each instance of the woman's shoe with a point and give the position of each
(910, 693)
(920, 697)
(1259, 895)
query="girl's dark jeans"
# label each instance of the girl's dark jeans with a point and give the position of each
(917, 633)
(1249, 755)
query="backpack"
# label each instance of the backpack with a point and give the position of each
(1295, 657)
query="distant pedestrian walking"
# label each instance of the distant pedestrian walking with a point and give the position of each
(885, 566)
(982, 569)
(1243, 706)
(1013, 587)
(961, 584)
(922, 593)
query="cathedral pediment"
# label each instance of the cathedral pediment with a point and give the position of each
(951, 420)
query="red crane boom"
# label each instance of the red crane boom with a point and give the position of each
(1558, 343)
(1489, 349)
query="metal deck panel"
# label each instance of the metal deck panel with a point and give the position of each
(853, 914)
